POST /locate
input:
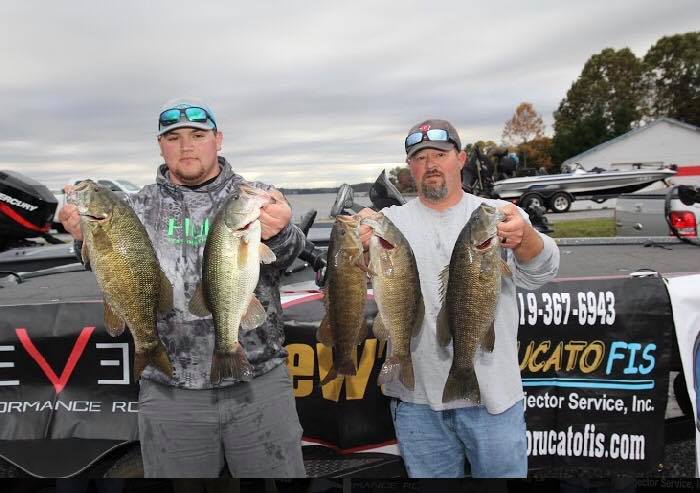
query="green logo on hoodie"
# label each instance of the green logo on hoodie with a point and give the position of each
(187, 232)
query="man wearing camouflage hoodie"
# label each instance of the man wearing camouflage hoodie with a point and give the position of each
(189, 427)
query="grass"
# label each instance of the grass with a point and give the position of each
(584, 228)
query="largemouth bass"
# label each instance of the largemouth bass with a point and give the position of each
(344, 326)
(397, 292)
(472, 284)
(119, 252)
(230, 272)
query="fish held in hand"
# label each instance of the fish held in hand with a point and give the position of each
(398, 295)
(119, 252)
(471, 288)
(230, 271)
(344, 326)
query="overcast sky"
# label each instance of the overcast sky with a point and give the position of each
(307, 93)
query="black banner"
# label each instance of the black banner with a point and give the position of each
(594, 358)
(63, 376)
(349, 413)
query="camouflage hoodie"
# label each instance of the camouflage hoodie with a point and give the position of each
(177, 219)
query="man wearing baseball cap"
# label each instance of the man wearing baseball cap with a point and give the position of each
(189, 426)
(438, 436)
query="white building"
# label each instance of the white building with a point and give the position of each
(662, 142)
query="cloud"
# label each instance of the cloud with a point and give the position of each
(306, 93)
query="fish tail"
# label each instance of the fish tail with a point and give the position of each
(407, 378)
(156, 356)
(347, 367)
(330, 376)
(390, 371)
(343, 367)
(461, 384)
(233, 364)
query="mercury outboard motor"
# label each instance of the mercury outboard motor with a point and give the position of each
(26, 208)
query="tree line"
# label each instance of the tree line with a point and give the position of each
(615, 92)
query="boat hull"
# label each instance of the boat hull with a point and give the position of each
(581, 184)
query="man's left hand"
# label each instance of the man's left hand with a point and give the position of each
(274, 217)
(512, 228)
(518, 235)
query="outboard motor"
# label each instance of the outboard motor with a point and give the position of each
(26, 208)
(343, 200)
(477, 175)
(383, 193)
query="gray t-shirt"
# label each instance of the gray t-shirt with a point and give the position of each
(432, 235)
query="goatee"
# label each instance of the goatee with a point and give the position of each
(433, 193)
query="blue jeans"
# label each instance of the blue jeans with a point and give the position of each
(437, 444)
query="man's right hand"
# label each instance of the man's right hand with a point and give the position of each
(365, 231)
(70, 219)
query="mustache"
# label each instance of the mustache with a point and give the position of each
(430, 174)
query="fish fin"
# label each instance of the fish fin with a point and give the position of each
(407, 378)
(267, 256)
(158, 357)
(113, 323)
(165, 300)
(231, 365)
(390, 370)
(330, 376)
(420, 315)
(443, 278)
(379, 329)
(359, 262)
(444, 335)
(362, 333)
(100, 240)
(255, 316)
(505, 268)
(324, 333)
(85, 254)
(489, 340)
(198, 304)
(243, 251)
(461, 385)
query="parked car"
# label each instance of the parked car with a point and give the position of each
(644, 214)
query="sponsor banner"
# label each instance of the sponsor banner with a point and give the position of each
(63, 376)
(349, 413)
(593, 354)
(685, 298)
(594, 359)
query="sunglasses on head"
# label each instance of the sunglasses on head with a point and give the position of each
(193, 114)
(433, 135)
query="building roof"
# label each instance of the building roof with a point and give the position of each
(672, 121)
